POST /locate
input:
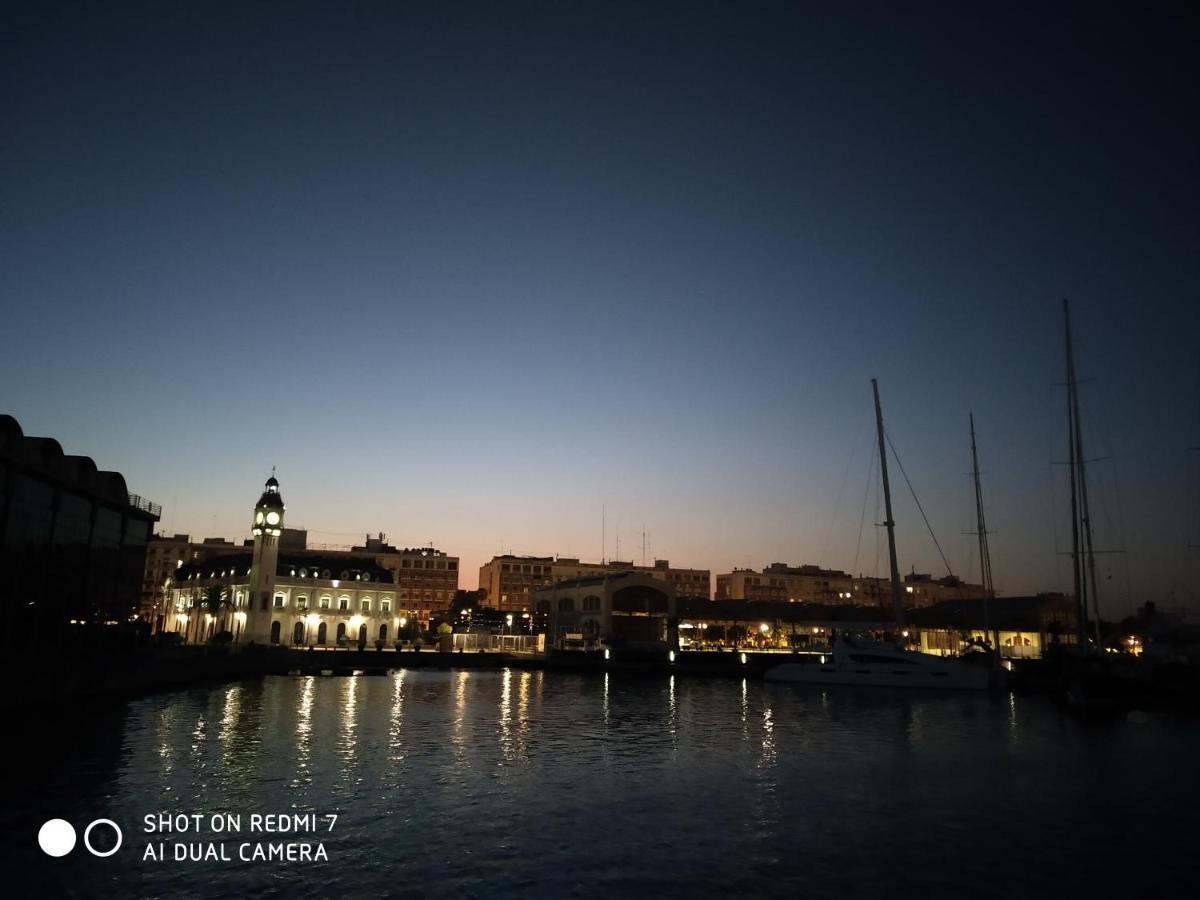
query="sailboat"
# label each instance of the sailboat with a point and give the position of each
(861, 661)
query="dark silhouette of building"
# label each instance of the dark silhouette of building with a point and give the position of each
(72, 543)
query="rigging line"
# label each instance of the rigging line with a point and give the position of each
(837, 503)
(945, 561)
(863, 517)
(1056, 415)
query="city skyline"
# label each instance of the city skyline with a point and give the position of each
(471, 279)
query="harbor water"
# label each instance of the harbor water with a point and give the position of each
(524, 783)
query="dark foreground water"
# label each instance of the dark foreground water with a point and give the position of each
(514, 784)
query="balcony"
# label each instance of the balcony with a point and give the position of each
(138, 502)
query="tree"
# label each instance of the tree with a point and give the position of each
(214, 601)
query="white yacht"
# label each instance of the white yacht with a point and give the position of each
(865, 662)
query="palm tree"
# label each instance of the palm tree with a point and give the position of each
(214, 600)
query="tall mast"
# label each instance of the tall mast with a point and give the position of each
(897, 600)
(1085, 519)
(1075, 454)
(985, 559)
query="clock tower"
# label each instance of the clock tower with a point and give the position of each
(267, 528)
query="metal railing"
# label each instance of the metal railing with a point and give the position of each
(138, 502)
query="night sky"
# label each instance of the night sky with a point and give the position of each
(470, 274)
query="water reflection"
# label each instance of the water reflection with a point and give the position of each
(506, 741)
(768, 739)
(396, 722)
(303, 777)
(347, 744)
(731, 779)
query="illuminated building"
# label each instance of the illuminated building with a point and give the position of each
(278, 595)
(165, 554)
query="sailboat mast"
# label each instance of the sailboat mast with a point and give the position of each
(897, 598)
(985, 559)
(1085, 519)
(1072, 447)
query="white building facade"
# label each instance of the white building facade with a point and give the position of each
(290, 599)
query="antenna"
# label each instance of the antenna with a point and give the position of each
(643, 545)
(603, 537)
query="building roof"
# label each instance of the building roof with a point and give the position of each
(44, 457)
(340, 567)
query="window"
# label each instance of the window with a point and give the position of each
(385, 606)
(591, 604)
(364, 605)
(324, 603)
(566, 604)
(301, 603)
(343, 603)
(280, 601)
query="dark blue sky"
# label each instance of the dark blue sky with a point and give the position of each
(468, 273)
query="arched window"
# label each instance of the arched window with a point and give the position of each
(362, 633)
(591, 604)
(341, 633)
(543, 606)
(322, 633)
(275, 632)
(566, 604)
(298, 634)
(383, 632)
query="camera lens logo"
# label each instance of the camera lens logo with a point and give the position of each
(57, 837)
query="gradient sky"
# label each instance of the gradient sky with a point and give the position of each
(469, 273)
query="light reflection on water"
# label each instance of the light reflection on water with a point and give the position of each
(452, 783)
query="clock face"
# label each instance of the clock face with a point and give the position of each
(258, 518)
(272, 518)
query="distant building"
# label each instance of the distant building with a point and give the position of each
(426, 578)
(72, 541)
(780, 582)
(1020, 627)
(619, 609)
(511, 581)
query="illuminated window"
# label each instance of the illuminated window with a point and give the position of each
(343, 602)
(324, 603)
(385, 606)
(301, 603)
(280, 600)
(364, 605)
